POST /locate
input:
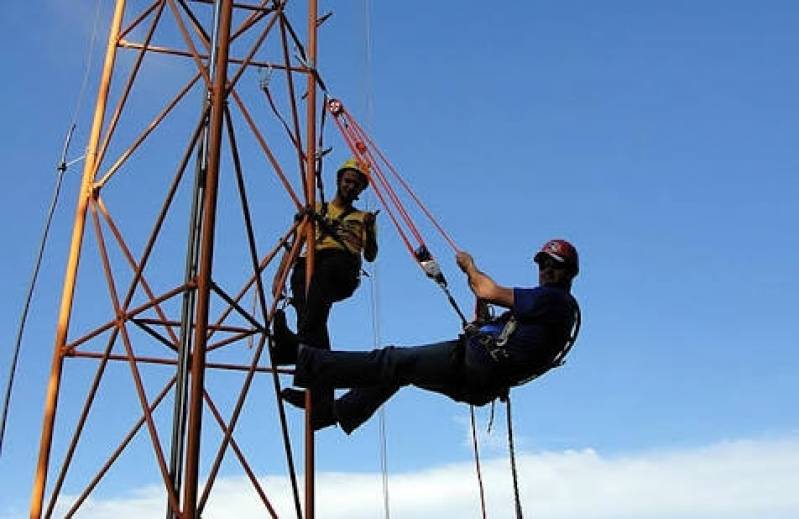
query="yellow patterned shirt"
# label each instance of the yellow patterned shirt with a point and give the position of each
(347, 233)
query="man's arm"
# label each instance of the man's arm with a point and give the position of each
(370, 243)
(482, 312)
(482, 285)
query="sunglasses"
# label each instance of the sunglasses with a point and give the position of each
(549, 262)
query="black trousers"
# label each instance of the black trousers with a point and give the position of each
(335, 278)
(449, 368)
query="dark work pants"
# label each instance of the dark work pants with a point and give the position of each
(335, 278)
(374, 376)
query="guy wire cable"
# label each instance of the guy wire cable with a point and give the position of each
(32, 285)
(373, 286)
(61, 169)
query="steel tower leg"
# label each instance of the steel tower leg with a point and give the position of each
(218, 100)
(178, 446)
(67, 295)
(310, 175)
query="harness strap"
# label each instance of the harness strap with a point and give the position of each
(495, 347)
(330, 227)
(560, 358)
(507, 331)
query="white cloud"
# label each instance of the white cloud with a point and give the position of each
(730, 480)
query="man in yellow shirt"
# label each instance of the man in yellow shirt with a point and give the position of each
(343, 235)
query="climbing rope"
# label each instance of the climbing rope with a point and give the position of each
(477, 462)
(61, 169)
(516, 498)
(374, 277)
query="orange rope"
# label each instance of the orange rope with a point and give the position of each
(365, 148)
(377, 189)
(407, 187)
(359, 149)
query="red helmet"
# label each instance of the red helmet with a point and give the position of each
(562, 252)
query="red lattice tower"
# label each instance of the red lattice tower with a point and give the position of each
(158, 348)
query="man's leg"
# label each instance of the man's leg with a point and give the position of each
(359, 404)
(297, 285)
(313, 305)
(375, 376)
(428, 366)
(313, 310)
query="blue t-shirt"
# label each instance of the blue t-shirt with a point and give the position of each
(545, 317)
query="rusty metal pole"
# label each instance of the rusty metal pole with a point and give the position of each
(310, 175)
(218, 100)
(67, 294)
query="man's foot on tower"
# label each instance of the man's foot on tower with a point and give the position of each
(284, 342)
(323, 413)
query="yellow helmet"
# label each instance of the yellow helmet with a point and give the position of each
(356, 165)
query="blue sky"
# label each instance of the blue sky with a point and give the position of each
(659, 138)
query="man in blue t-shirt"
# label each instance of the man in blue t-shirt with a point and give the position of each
(492, 356)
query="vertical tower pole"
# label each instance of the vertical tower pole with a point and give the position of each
(310, 172)
(67, 295)
(218, 100)
(176, 461)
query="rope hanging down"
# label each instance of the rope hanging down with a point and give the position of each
(63, 164)
(61, 169)
(366, 151)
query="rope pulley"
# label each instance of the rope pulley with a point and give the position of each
(335, 107)
(429, 265)
(432, 270)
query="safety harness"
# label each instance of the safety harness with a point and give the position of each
(331, 226)
(496, 348)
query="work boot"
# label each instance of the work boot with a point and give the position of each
(323, 412)
(284, 342)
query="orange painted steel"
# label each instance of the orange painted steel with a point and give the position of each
(240, 401)
(310, 176)
(310, 194)
(185, 501)
(248, 59)
(65, 311)
(123, 99)
(261, 265)
(206, 262)
(266, 149)
(220, 328)
(182, 53)
(117, 452)
(137, 378)
(237, 5)
(251, 20)
(240, 455)
(295, 118)
(70, 347)
(147, 131)
(132, 262)
(172, 362)
(140, 18)
(190, 43)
